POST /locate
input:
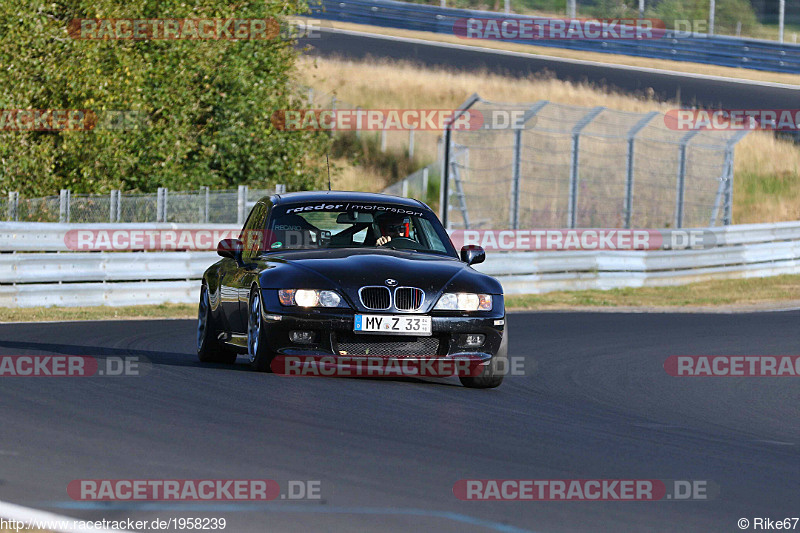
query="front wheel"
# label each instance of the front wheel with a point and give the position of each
(492, 374)
(257, 345)
(209, 349)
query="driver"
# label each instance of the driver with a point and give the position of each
(392, 225)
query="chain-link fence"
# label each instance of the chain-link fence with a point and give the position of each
(570, 166)
(203, 206)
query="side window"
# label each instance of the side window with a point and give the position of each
(253, 234)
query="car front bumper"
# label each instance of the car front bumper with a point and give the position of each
(332, 332)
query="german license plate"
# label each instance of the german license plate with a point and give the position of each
(393, 324)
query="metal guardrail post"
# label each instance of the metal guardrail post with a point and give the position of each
(383, 140)
(425, 184)
(679, 199)
(572, 210)
(63, 205)
(411, 143)
(444, 187)
(639, 126)
(241, 204)
(280, 188)
(13, 206)
(513, 214)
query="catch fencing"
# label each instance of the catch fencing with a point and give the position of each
(565, 166)
(183, 207)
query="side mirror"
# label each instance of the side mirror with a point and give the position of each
(230, 248)
(472, 254)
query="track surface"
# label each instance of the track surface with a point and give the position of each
(596, 403)
(691, 90)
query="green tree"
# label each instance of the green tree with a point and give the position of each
(727, 13)
(206, 103)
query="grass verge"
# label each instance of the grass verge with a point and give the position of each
(134, 312)
(739, 293)
(777, 291)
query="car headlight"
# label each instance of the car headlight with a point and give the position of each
(464, 301)
(310, 298)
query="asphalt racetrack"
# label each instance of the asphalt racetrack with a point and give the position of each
(691, 90)
(595, 402)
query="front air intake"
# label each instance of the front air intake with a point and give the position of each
(376, 298)
(408, 298)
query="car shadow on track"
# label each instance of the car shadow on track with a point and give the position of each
(158, 358)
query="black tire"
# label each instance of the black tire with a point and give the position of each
(209, 348)
(257, 346)
(492, 374)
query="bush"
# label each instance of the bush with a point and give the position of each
(207, 103)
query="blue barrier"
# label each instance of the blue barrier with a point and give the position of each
(698, 48)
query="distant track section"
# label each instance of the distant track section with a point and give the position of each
(689, 89)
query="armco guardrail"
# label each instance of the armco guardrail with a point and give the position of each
(37, 268)
(699, 48)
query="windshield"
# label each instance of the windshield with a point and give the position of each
(314, 225)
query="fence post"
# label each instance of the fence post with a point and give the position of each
(572, 212)
(63, 205)
(444, 186)
(679, 199)
(13, 206)
(425, 184)
(727, 176)
(513, 218)
(241, 204)
(383, 140)
(161, 204)
(411, 143)
(358, 122)
(280, 188)
(113, 208)
(639, 126)
(207, 203)
(513, 212)
(404, 187)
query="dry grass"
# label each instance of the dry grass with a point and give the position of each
(348, 177)
(767, 186)
(708, 294)
(136, 312)
(664, 64)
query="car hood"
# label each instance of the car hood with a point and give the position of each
(347, 270)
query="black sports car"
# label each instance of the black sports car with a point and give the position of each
(350, 274)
